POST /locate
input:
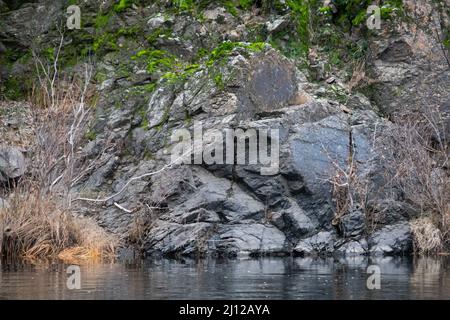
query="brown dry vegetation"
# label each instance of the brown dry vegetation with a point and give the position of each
(416, 155)
(419, 156)
(41, 221)
(427, 237)
(37, 228)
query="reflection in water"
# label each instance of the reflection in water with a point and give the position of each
(428, 271)
(268, 278)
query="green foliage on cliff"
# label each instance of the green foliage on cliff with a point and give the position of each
(11, 89)
(231, 6)
(101, 20)
(122, 5)
(157, 60)
(225, 48)
(353, 13)
(301, 10)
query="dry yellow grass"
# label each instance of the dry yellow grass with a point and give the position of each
(427, 237)
(33, 228)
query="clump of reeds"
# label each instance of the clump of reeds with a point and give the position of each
(35, 228)
(427, 237)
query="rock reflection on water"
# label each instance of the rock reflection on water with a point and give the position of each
(268, 278)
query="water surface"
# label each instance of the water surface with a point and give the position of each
(266, 278)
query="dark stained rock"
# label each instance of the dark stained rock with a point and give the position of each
(3, 7)
(315, 146)
(293, 221)
(410, 69)
(272, 82)
(353, 223)
(26, 22)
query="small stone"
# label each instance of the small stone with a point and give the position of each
(331, 80)
(12, 163)
(156, 22)
(233, 36)
(107, 84)
(214, 14)
(13, 123)
(277, 25)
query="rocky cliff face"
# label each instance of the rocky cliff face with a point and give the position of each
(161, 68)
(410, 64)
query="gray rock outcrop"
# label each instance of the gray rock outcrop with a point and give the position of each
(328, 192)
(391, 240)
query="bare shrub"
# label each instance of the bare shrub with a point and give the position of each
(145, 218)
(342, 183)
(418, 156)
(415, 157)
(40, 221)
(138, 230)
(58, 131)
(349, 187)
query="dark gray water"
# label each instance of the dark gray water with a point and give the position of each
(268, 278)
